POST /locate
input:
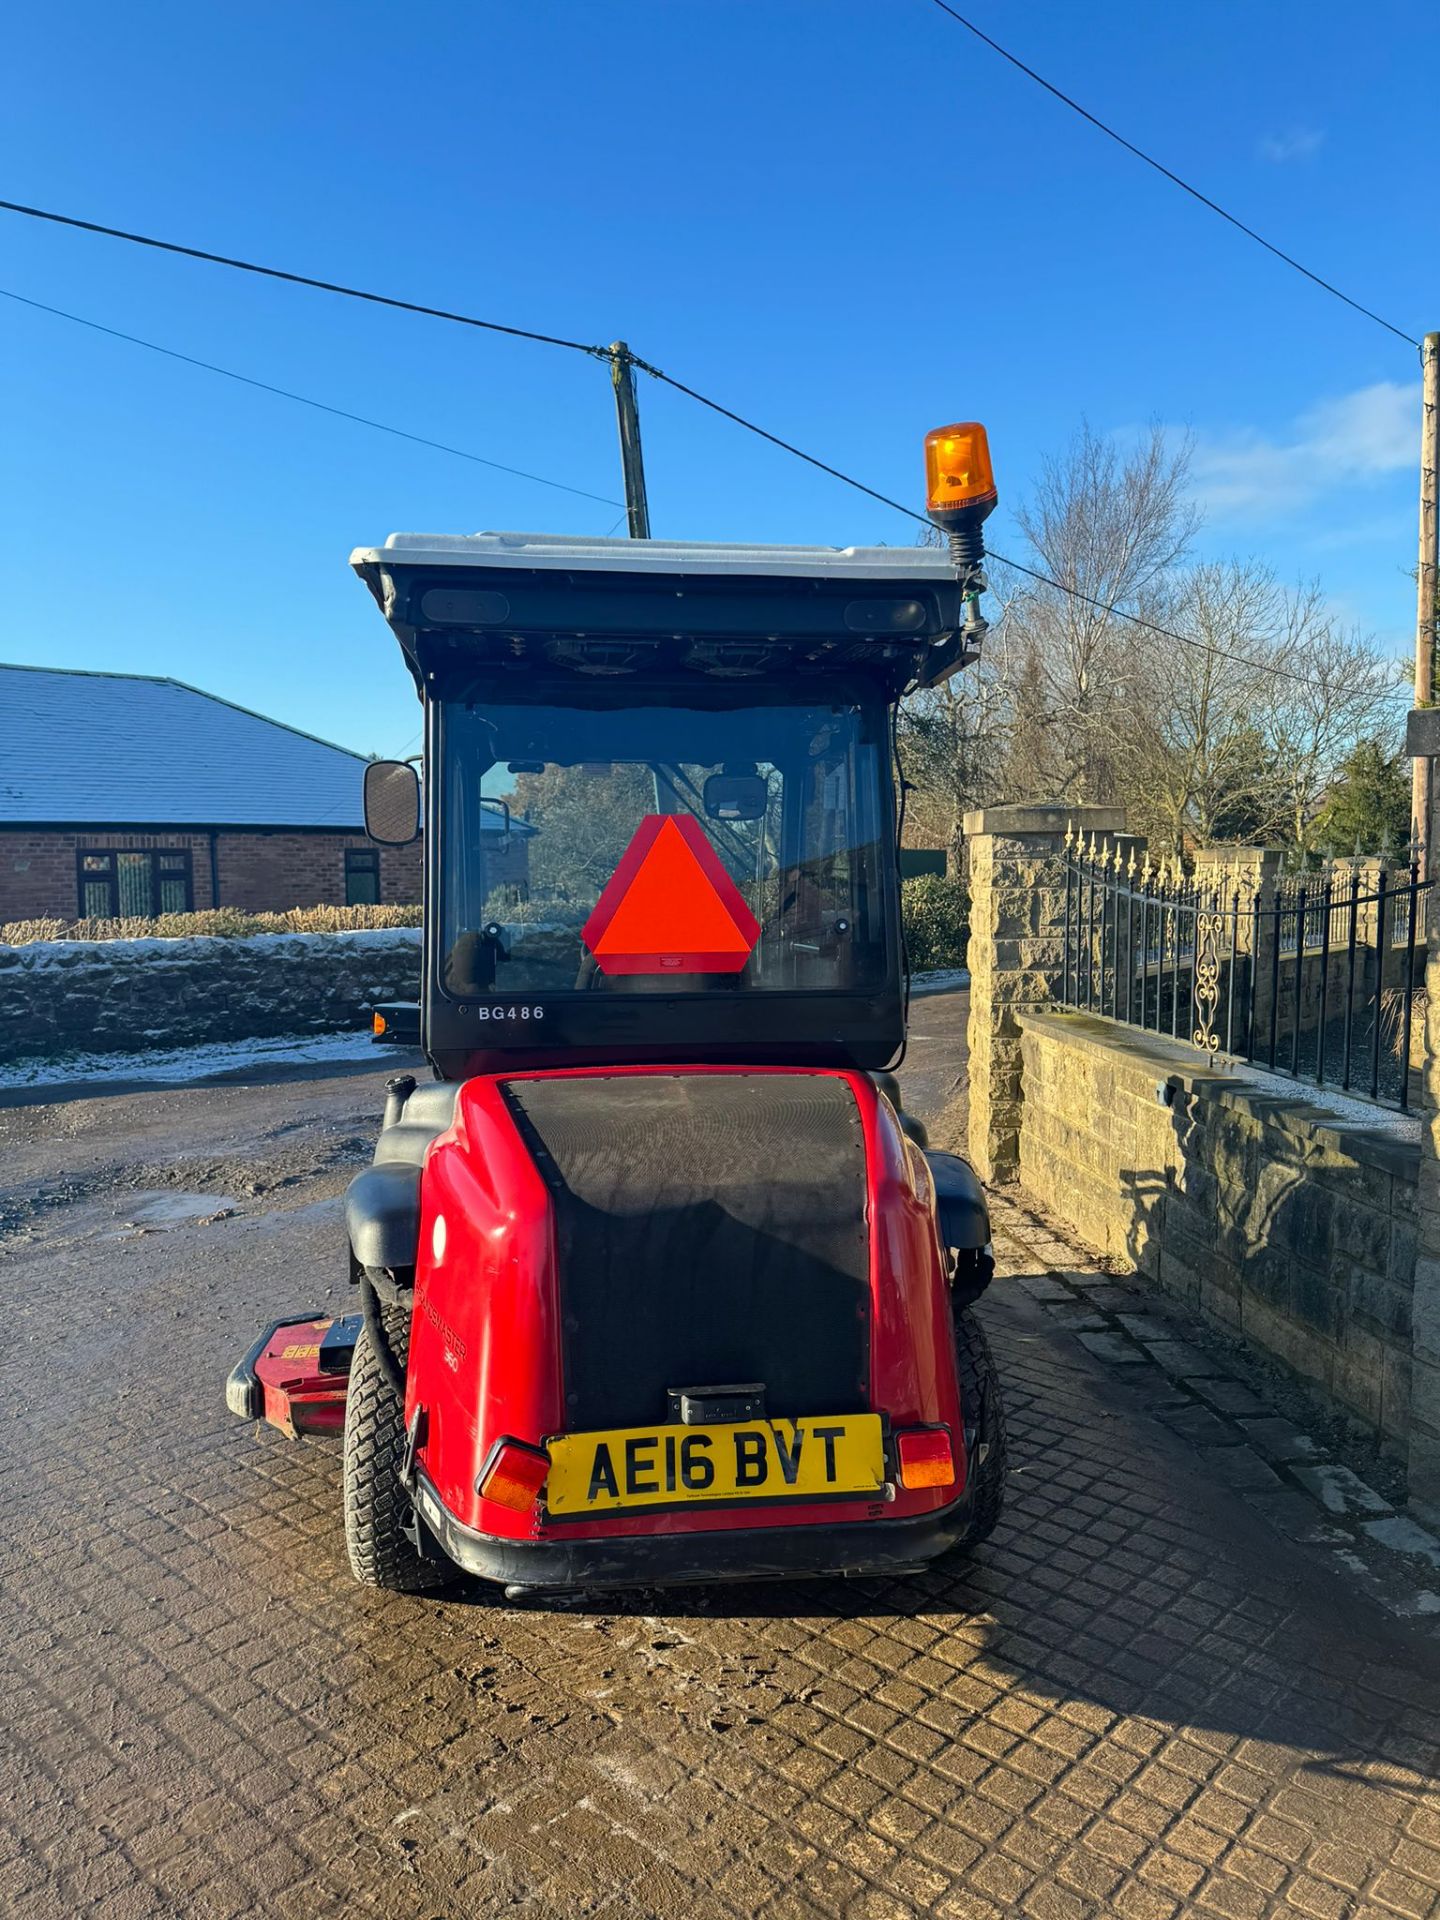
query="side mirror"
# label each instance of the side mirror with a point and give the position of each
(737, 796)
(392, 803)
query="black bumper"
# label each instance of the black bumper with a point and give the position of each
(867, 1547)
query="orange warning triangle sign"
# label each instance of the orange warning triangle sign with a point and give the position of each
(670, 906)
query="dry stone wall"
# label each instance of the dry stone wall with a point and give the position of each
(122, 996)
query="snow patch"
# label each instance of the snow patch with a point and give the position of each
(181, 1065)
(940, 980)
(1330, 1100)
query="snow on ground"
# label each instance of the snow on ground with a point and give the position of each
(942, 980)
(177, 1065)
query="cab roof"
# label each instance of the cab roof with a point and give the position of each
(884, 566)
(488, 606)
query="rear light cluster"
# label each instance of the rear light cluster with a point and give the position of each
(513, 1475)
(925, 1458)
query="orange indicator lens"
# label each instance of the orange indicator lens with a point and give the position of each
(513, 1475)
(925, 1459)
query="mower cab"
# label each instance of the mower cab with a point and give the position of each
(658, 1284)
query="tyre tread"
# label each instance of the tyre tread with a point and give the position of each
(377, 1506)
(980, 1383)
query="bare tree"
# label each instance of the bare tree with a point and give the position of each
(953, 738)
(953, 746)
(1191, 761)
(1107, 526)
(1232, 731)
(1336, 689)
(1236, 735)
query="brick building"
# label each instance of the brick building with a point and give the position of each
(123, 794)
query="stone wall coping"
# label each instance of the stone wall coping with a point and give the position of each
(1044, 816)
(1379, 1146)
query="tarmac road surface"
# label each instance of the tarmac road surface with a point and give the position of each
(1139, 1700)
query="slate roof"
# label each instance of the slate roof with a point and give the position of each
(126, 748)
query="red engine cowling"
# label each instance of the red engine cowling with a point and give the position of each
(493, 1319)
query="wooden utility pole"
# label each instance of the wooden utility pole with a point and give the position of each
(622, 374)
(1427, 588)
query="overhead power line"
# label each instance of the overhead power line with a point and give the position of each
(1152, 626)
(764, 433)
(1018, 566)
(300, 279)
(603, 353)
(304, 400)
(1174, 178)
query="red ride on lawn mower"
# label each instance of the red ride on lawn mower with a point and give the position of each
(657, 1282)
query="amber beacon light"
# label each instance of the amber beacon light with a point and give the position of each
(959, 480)
(959, 493)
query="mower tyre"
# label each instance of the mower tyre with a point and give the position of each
(377, 1507)
(984, 1413)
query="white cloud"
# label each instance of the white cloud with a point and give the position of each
(1356, 439)
(1296, 143)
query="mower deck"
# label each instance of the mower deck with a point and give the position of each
(296, 1374)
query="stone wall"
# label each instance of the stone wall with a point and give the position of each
(1294, 1227)
(123, 995)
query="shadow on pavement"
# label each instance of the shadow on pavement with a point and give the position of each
(1122, 1578)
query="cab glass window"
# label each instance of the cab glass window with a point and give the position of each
(540, 804)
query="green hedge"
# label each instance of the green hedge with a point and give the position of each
(935, 912)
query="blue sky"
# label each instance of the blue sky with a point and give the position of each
(844, 217)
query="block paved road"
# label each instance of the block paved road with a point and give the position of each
(1138, 1700)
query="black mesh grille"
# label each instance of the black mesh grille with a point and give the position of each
(711, 1230)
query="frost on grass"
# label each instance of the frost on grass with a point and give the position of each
(62, 953)
(224, 923)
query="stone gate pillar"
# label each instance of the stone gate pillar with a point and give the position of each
(1016, 956)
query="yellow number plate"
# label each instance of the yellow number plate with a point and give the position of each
(754, 1460)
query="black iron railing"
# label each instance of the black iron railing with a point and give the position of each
(1315, 975)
